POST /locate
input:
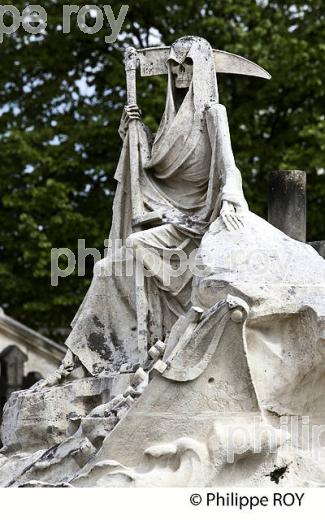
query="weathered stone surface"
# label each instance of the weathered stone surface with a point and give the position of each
(35, 420)
(286, 326)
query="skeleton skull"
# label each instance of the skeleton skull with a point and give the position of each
(182, 72)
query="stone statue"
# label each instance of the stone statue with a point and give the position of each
(180, 376)
(170, 188)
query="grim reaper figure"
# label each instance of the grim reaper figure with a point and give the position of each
(187, 178)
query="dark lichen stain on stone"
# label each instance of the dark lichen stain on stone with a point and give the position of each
(277, 474)
(114, 340)
(98, 342)
(98, 323)
(97, 369)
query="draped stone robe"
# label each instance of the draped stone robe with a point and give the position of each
(186, 174)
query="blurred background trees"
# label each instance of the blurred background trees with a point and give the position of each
(61, 100)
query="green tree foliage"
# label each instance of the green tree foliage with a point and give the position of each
(61, 100)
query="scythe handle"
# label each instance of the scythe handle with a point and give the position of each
(130, 61)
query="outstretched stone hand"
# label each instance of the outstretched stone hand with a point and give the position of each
(232, 219)
(130, 113)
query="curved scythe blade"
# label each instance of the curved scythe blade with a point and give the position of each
(234, 64)
(153, 62)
